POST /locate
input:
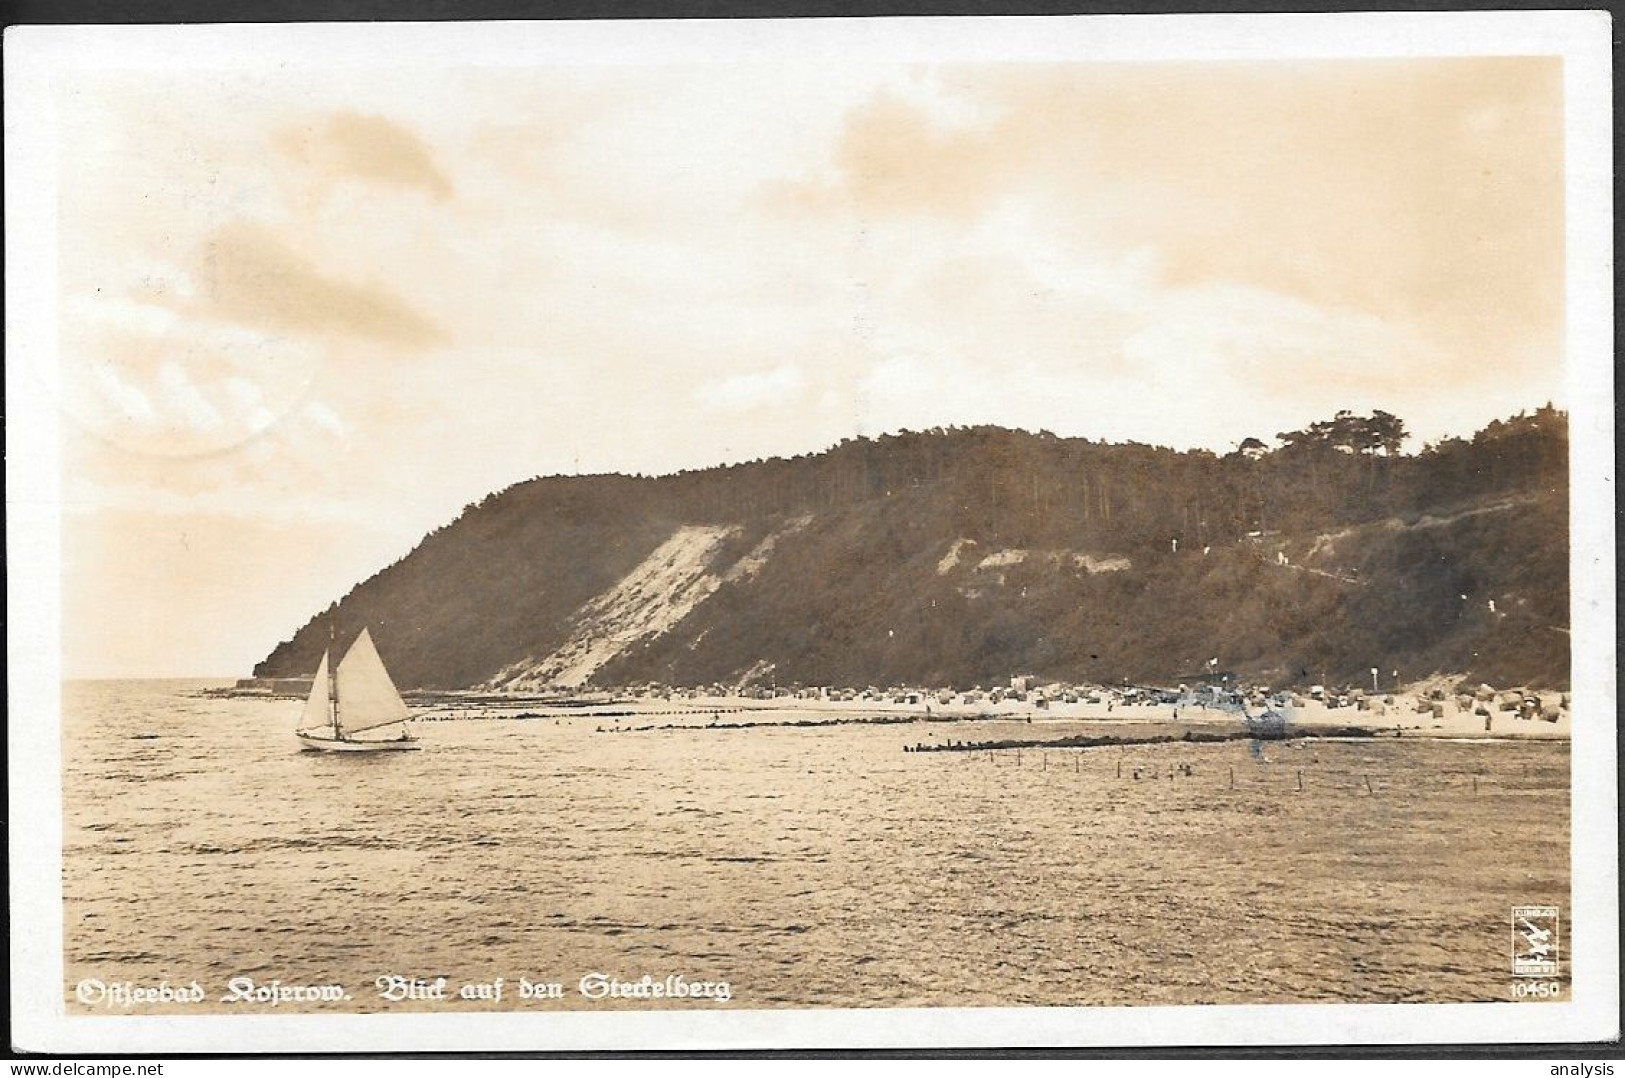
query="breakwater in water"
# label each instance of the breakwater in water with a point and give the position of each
(1080, 741)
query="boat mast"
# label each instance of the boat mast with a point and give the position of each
(333, 681)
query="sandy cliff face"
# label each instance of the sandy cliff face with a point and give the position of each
(653, 598)
(649, 602)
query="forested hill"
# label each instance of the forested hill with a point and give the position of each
(963, 556)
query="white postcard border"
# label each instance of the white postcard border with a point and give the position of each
(34, 55)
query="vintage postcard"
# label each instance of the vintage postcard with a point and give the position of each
(852, 533)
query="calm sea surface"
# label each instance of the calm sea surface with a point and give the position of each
(814, 867)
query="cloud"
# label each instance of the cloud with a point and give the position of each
(1425, 193)
(121, 402)
(182, 403)
(895, 156)
(998, 321)
(244, 503)
(247, 275)
(325, 418)
(140, 376)
(248, 401)
(366, 147)
(908, 153)
(745, 392)
(1258, 345)
(284, 470)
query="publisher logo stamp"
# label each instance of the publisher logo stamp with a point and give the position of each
(1534, 941)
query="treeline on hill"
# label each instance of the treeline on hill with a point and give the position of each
(1312, 560)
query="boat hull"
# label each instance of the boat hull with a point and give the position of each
(319, 743)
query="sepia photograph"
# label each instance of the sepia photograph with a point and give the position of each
(786, 533)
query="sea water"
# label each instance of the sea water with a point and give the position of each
(799, 867)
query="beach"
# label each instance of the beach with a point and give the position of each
(1411, 712)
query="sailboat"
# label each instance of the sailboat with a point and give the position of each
(355, 697)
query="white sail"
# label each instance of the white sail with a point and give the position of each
(367, 698)
(317, 713)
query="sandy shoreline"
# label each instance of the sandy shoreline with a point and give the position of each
(1401, 718)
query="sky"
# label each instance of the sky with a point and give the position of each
(306, 316)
